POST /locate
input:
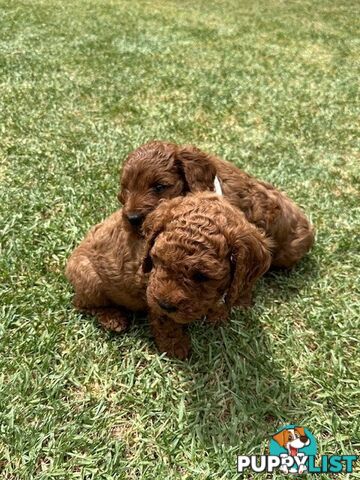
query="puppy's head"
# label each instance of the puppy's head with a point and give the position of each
(200, 252)
(292, 437)
(159, 170)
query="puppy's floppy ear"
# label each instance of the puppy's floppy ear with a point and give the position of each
(147, 263)
(250, 258)
(153, 225)
(196, 167)
(120, 197)
(301, 431)
(281, 438)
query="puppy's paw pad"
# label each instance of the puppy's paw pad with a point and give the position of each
(114, 322)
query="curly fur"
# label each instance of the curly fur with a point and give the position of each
(179, 170)
(199, 257)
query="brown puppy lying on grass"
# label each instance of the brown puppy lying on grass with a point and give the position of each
(200, 257)
(159, 170)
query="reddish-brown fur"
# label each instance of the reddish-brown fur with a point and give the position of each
(179, 170)
(200, 256)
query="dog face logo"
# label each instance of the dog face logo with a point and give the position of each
(293, 450)
(293, 441)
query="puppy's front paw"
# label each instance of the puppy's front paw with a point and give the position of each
(113, 320)
(181, 349)
(178, 347)
(170, 337)
(244, 301)
(217, 316)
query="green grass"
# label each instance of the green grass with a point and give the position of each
(270, 85)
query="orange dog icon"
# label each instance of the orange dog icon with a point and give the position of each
(292, 439)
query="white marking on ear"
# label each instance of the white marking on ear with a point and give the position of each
(217, 186)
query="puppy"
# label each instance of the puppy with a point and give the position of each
(160, 170)
(204, 258)
(105, 271)
(199, 257)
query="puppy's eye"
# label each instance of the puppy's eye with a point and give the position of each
(200, 277)
(159, 187)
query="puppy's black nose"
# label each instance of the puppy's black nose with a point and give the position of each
(167, 306)
(135, 219)
(304, 439)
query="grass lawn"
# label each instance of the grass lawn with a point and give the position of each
(270, 85)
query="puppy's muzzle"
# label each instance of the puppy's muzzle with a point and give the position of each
(135, 219)
(168, 307)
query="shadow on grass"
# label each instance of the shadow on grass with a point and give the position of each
(239, 394)
(284, 284)
(236, 395)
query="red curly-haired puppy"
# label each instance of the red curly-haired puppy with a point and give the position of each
(159, 170)
(200, 257)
